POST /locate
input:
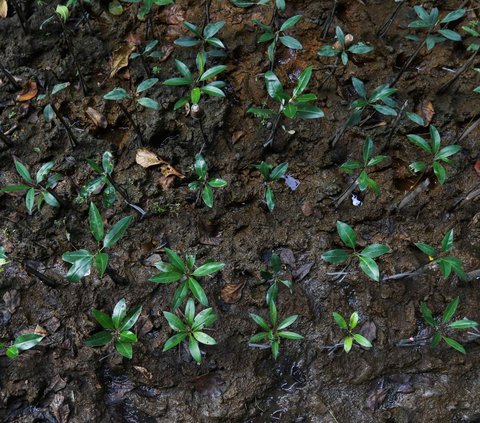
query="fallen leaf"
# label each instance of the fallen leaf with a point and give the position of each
(39, 330)
(97, 118)
(28, 92)
(173, 15)
(477, 167)
(147, 158)
(232, 292)
(134, 39)
(207, 240)
(302, 272)
(167, 52)
(237, 135)
(3, 8)
(144, 372)
(376, 398)
(426, 111)
(12, 300)
(166, 182)
(120, 58)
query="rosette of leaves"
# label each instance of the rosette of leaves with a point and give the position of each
(39, 189)
(279, 4)
(205, 37)
(116, 328)
(432, 147)
(186, 274)
(447, 264)
(21, 343)
(365, 257)
(442, 325)
(274, 275)
(271, 174)
(363, 179)
(341, 49)
(82, 260)
(190, 329)
(197, 84)
(351, 337)
(206, 186)
(120, 94)
(274, 332)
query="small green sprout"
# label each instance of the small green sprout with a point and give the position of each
(196, 84)
(274, 333)
(365, 257)
(274, 275)
(342, 47)
(117, 328)
(21, 343)
(433, 148)
(82, 260)
(191, 327)
(147, 52)
(3, 259)
(351, 337)
(187, 274)
(446, 263)
(147, 5)
(201, 170)
(279, 4)
(271, 174)
(119, 94)
(441, 325)
(207, 37)
(40, 188)
(364, 181)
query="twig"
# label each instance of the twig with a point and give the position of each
(386, 26)
(10, 77)
(129, 116)
(273, 131)
(19, 12)
(347, 192)
(71, 137)
(328, 22)
(125, 196)
(462, 69)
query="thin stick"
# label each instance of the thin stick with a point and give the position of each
(71, 137)
(329, 21)
(394, 127)
(273, 131)
(124, 195)
(386, 26)
(347, 192)
(409, 61)
(132, 121)
(465, 66)
(19, 12)
(10, 77)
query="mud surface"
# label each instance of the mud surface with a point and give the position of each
(62, 380)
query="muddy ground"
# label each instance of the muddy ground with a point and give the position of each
(62, 380)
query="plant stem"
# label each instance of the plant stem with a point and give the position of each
(329, 21)
(132, 121)
(124, 195)
(10, 77)
(394, 127)
(271, 138)
(145, 67)
(347, 192)
(465, 66)
(331, 73)
(386, 26)
(71, 137)
(19, 13)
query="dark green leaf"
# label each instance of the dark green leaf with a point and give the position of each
(369, 267)
(290, 22)
(101, 262)
(347, 234)
(375, 250)
(166, 277)
(340, 320)
(454, 344)
(174, 341)
(116, 94)
(290, 42)
(116, 232)
(450, 310)
(335, 256)
(95, 222)
(208, 269)
(23, 171)
(175, 259)
(99, 339)
(124, 349)
(104, 319)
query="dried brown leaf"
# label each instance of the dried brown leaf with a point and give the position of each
(232, 292)
(28, 92)
(147, 158)
(426, 111)
(237, 135)
(97, 118)
(120, 58)
(3, 8)
(146, 374)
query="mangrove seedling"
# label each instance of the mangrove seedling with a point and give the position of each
(82, 260)
(447, 264)
(197, 84)
(147, 5)
(147, 52)
(270, 175)
(190, 327)
(274, 275)
(279, 4)
(202, 183)
(3, 259)
(186, 273)
(433, 148)
(21, 343)
(116, 328)
(205, 37)
(295, 106)
(351, 337)
(40, 189)
(365, 257)
(442, 325)
(274, 332)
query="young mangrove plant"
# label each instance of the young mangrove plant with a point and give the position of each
(186, 273)
(433, 148)
(351, 337)
(82, 260)
(447, 264)
(271, 174)
(202, 184)
(365, 257)
(207, 37)
(442, 325)
(40, 189)
(190, 327)
(279, 4)
(116, 328)
(274, 275)
(197, 84)
(274, 332)
(147, 52)
(21, 343)
(295, 106)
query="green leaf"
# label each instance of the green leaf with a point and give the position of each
(194, 349)
(203, 338)
(278, 171)
(166, 277)
(385, 110)
(360, 48)
(50, 199)
(14, 188)
(116, 94)
(335, 256)
(463, 324)
(447, 151)
(359, 87)
(184, 71)
(447, 241)
(80, 267)
(200, 166)
(453, 16)
(375, 250)
(274, 86)
(347, 234)
(174, 322)
(208, 269)
(454, 344)
(340, 35)
(190, 311)
(23, 171)
(290, 22)
(187, 41)
(436, 339)
(440, 172)
(275, 349)
(260, 322)
(415, 118)
(435, 137)
(287, 322)
(104, 319)
(269, 198)
(63, 12)
(197, 291)
(427, 314)
(328, 51)
(290, 110)
(177, 81)
(368, 149)
(347, 344)
(59, 87)
(340, 320)
(95, 222)
(116, 232)
(101, 262)
(119, 313)
(289, 335)
(290, 42)
(130, 319)
(174, 341)
(12, 352)
(364, 342)
(195, 95)
(273, 313)
(175, 259)
(376, 160)
(30, 200)
(369, 267)
(107, 162)
(212, 91)
(124, 349)
(258, 337)
(427, 249)
(217, 183)
(148, 103)
(207, 196)
(193, 28)
(204, 318)
(450, 35)
(43, 171)
(450, 310)
(353, 320)
(211, 29)
(27, 341)
(128, 337)
(99, 339)
(210, 73)
(180, 294)
(419, 142)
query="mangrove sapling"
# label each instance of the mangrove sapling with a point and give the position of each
(351, 337)
(191, 329)
(205, 38)
(433, 148)
(40, 188)
(197, 84)
(202, 184)
(435, 32)
(82, 260)
(186, 273)
(274, 275)
(294, 106)
(447, 264)
(147, 52)
(269, 34)
(274, 332)
(365, 257)
(442, 325)
(120, 94)
(21, 343)
(116, 328)
(271, 174)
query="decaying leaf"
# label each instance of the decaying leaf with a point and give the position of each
(426, 111)
(3, 8)
(28, 92)
(97, 118)
(146, 374)
(115, 8)
(39, 330)
(120, 58)
(134, 39)
(232, 292)
(237, 135)
(147, 158)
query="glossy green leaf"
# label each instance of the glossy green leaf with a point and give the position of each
(124, 349)
(116, 232)
(347, 234)
(101, 263)
(174, 341)
(340, 320)
(96, 223)
(104, 319)
(99, 339)
(369, 267)
(335, 256)
(208, 269)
